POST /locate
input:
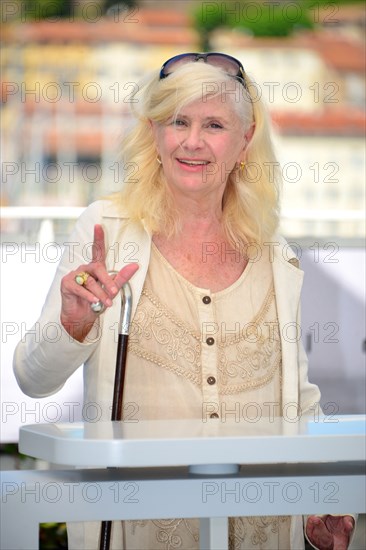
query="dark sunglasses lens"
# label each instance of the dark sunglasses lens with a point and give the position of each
(173, 64)
(227, 63)
(230, 66)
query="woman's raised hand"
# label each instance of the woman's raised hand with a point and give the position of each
(94, 285)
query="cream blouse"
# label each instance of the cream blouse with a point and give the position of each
(197, 354)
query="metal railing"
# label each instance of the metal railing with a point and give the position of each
(47, 215)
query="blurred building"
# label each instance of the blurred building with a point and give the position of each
(67, 91)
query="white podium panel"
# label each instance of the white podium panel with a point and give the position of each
(314, 466)
(194, 442)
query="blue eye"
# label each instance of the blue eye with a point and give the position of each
(215, 125)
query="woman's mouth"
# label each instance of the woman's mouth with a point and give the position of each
(193, 162)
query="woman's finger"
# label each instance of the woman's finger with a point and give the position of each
(98, 249)
(105, 286)
(97, 280)
(125, 274)
(98, 291)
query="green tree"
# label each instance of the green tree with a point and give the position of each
(261, 18)
(45, 9)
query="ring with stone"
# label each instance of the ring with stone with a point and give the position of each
(97, 307)
(81, 278)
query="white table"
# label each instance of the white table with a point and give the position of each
(165, 469)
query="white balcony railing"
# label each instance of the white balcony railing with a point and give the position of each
(48, 214)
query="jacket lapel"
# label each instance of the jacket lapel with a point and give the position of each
(288, 282)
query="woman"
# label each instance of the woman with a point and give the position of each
(194, 232)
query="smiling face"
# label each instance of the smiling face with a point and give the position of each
(201, 147)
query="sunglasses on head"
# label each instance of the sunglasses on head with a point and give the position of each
(229, 64)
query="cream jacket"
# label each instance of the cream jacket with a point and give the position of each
(43, 364)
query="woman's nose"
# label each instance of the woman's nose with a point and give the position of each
(193, 138)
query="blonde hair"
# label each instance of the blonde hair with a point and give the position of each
(251, 198)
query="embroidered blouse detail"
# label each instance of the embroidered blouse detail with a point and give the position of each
(176, 345)
(238, 342)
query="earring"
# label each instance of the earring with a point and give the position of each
(242, 167)
(158, 159)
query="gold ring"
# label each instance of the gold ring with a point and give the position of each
(81, 278)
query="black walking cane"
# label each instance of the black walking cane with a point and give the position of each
(124, 327)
